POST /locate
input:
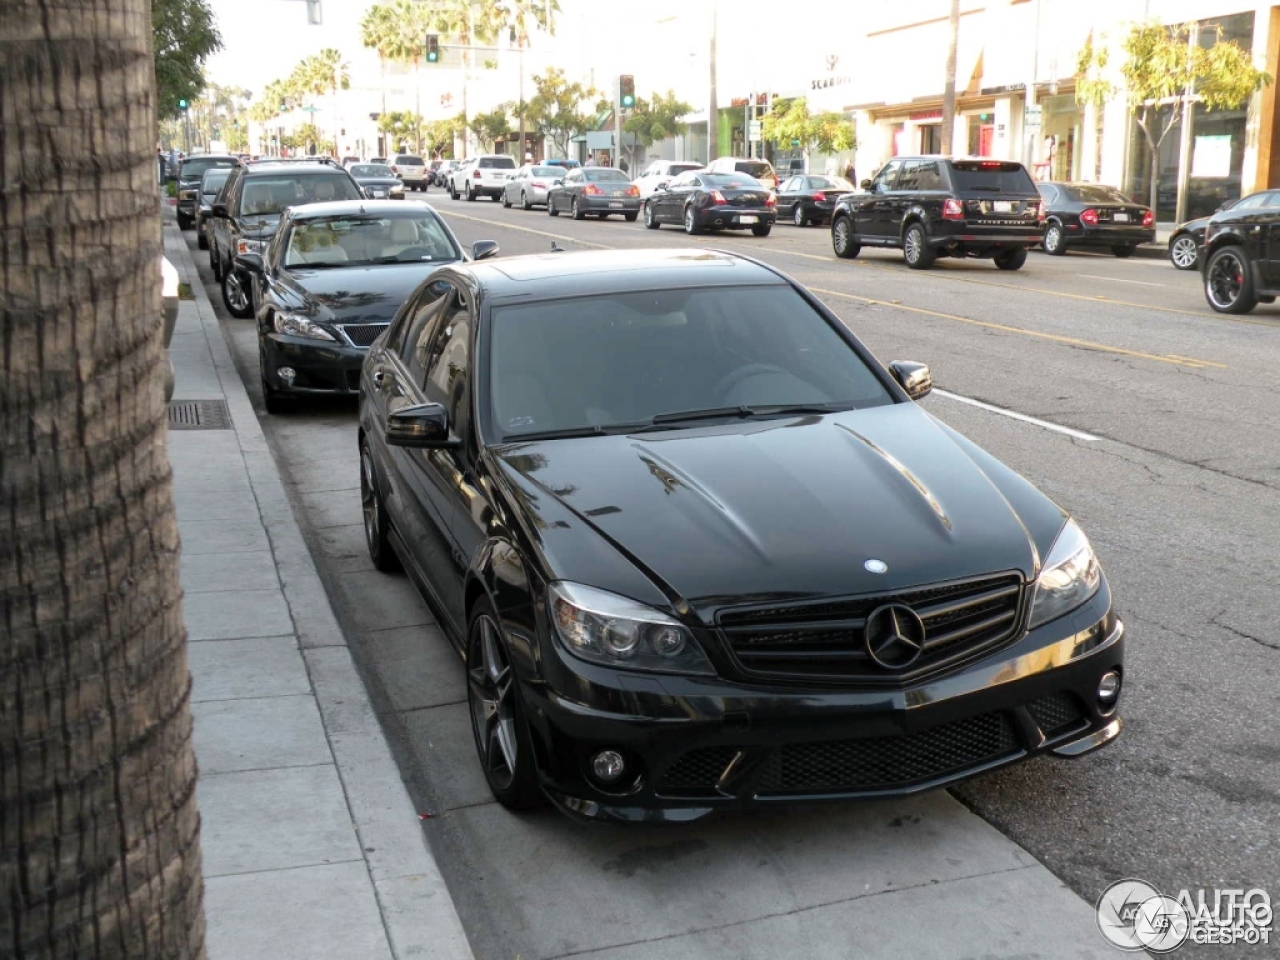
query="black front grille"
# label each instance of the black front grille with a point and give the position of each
(889, 762)
(1057, 714)
(696, 771)
(362, 334)
(824, 640)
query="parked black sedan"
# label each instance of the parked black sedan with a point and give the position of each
(699, 549)
(1093, 215)
(701, 201)
(331, 283)
(377, 181)
(810, 199)
(594, 190)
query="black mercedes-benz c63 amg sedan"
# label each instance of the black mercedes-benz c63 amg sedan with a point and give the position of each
(701, 550)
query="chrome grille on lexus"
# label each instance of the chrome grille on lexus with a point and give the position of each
(362, 334)
(825, 640)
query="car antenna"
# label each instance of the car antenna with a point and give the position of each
(555, 248)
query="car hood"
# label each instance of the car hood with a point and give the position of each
(786, 508)
(357, 294)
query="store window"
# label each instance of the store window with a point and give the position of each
(931, 138)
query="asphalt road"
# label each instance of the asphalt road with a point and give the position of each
(1119, 393)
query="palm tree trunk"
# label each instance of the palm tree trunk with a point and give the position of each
(949, 87)
(99, 831)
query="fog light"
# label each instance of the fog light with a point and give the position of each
(286, 374)
(608, 766)
(1109, 688)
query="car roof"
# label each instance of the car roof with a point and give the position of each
(379, 208)
(274, 169)
(552, 276)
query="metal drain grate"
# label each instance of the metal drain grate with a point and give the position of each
(199, 415)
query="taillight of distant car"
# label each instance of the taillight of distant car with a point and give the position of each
(1148, 218)
(771, 200)
(717, 197)
(633, 191)
(819, 196)
(1089, 217)
(475, 174)
(537, 185)
(591, 190)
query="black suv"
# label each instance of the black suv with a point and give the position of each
(188, 188)
(1238, 260)
(248, 211)
(934, 206)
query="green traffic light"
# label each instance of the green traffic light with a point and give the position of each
(182, 104)
(433, 56)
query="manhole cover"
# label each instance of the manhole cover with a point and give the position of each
(199, 415)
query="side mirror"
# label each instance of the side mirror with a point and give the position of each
(425, 425)
(219, 210)
(866, 184)
(662, 186)
(484, 249)
(914, 378)
(249, 261)
(556, 183)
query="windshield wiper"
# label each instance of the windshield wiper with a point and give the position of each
(564, 434)
(744, 412)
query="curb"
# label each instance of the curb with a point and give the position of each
(417, 911)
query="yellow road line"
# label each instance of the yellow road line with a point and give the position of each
(1057, 338)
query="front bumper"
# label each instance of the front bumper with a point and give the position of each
(701, 744)
(320, 367)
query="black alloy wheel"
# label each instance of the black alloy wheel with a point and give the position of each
(691, 226)
(1183, 253)
(551, 207)
(235, 294)
(1227, 284)
(376, 526)
(576, 211)
(842, 240)
(524, 201)
(1011, 259)
(497, 715)
(1123, 250)
(1054, 243)
(797, 215)
(650, 218)
(915, 248)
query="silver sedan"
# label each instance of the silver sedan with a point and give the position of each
(528, 186)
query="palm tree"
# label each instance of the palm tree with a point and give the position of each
(335, 73)
(411, 22)
(101, 840)
(376, 30)
(522, 18)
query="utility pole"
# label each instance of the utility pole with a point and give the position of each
(617, 121)
(949, 90)
(713, 133)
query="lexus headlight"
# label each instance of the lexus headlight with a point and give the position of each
(602, 627)
(250, 246)
(1071, 576)
(297, 326)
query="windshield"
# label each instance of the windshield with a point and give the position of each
(371, 170)
(213, 180)
(498, 163)
(192, 169)
(270, 195)
(1093, 193)
(620, 360)
(546, 172)
(407, 160)
(731, 180)
(992, 175)
(604, 175)
(361, 241)
(754, 168)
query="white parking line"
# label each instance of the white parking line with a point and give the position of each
(1142, 283)
(1055, 427)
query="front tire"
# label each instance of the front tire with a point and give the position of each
(691, 222)
(1183, 253)
(185, 222)
(202, 240)
(1228, 285)
(215, 263)
(374, 514)
(1054, 242)
(498, 723)
(1011, 259)
(650, 220)
(842, 239)
(915, 248)
(235, 294)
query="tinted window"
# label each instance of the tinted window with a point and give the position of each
(213, 180)
(993, 175)
(1249, 203)
(365, 240)
(498, 163)
(885, 179)
(605, 175)
(730, 180)
(625, 358)
(754, 168)
(1093, 193)
(420, 325)
(192, 169)
(270, 195)
(830, 183)
(409, 160)
(685, 180)
(446, 380)
(371, 170)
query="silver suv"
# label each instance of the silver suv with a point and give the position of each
(482, 176)
(411, 169)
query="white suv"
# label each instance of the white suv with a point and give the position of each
(482, 176)
(760, 169)
(411, 170)
(661, 173)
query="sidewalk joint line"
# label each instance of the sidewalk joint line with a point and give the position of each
(300, 866)
(291, 766)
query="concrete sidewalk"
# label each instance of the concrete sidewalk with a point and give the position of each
(311, 845)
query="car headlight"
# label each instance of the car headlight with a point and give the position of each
(1071, 576)
(250, 246)
(602, 627)
(298, 326)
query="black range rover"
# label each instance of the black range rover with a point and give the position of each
(934, 206)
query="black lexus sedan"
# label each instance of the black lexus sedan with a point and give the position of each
(700, 201)
(1093, 215)
(329, 284)
(699, 549)
(810, 199)
(377, 181)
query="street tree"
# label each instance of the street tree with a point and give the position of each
(377, 32)
(441, 134)
(1165, 71)
(556, 107)
(491, 127)
(657, 118)
(309, 139)
(790, 122)
(402, 128)
(99, 847)
(329, 73)
(184, 36)
(410, 22)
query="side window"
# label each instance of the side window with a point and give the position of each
(909, 179)
(684, 180)
(927, 176)
(231, 193)
(1273, 199)
(1248, 203)
(887, 177)
(447, 367)
(418, 323)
